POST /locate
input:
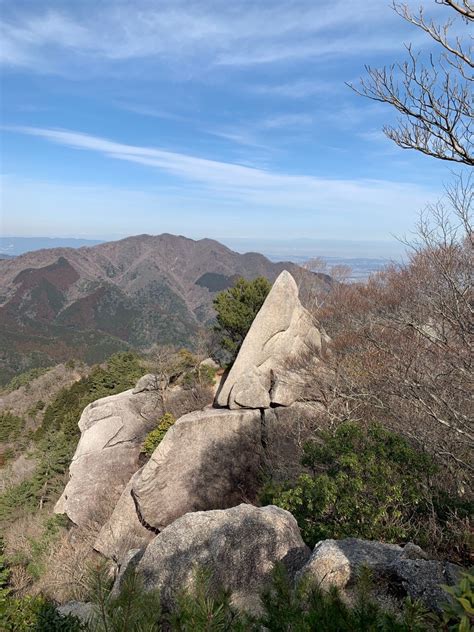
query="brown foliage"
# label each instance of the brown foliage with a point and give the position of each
(402, 343)
(68, 565)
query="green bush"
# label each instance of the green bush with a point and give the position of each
(10, 426)
(154, 438)
(36, 614)
(206, 609)
(25, 379)
(307, 608)
(367, 483)
(132, 610)
(236, 309)
(58, 435)
(459, 610)
(285, 608)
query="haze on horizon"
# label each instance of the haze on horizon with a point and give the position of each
(233, 123)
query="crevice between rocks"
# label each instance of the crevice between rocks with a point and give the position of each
(140, 517)
(263, 430)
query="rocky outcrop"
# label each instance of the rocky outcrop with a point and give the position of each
(407, 570)
(282, 330)
(239, 547)
(112, 431)
(208, 459)
(123, 531)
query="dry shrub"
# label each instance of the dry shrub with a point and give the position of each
(20, 580)
(188, 400)
(25, 545)
(287, 430)
(53, 563)
(178, 401)
(18, 537)
(402, 342)
(68, 565)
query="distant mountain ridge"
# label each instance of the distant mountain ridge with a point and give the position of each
(14, 246)
(91, 301)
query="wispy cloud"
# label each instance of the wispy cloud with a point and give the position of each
(255, 133)
(288, 121)
(259, 187)
(299, 89)
(232, 34)
(240, 136)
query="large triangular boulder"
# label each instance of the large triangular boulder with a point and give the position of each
(283, 331)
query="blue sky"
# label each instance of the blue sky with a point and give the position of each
(204, 118)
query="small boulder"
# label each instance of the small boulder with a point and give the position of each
(338, 562)
(238, 546)
(422, 579)
(148, 382)
(405, 570)
(210, 364)
(84, 611)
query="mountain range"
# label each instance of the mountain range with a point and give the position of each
(88, 302)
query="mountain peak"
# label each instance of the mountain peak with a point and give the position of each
(90, 301)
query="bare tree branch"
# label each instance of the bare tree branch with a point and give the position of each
(433, 96)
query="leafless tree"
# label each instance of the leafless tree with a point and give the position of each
(165, 364)
(403, 342)
(433, 94)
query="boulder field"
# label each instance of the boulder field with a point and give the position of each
(192, 504)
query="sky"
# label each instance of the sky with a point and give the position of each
(206, 118)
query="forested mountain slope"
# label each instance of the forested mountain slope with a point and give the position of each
(89, 302)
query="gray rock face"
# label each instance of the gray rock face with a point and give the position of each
(112, 431)
(238, 546)
(283, 329)
(85, 612)
(123, 530)
(148, 382)
(208, 459)
(421, 579)
(339, 562)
